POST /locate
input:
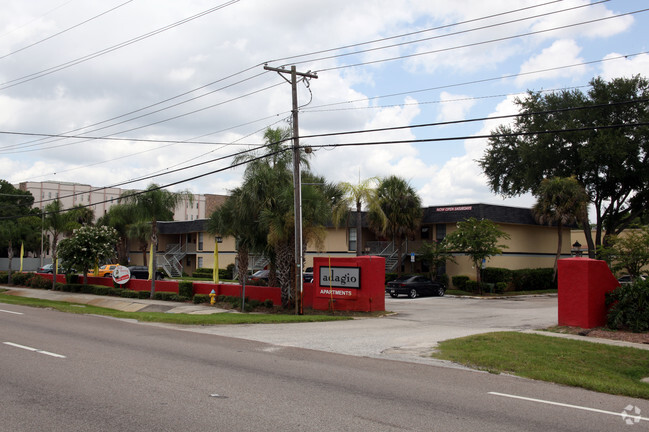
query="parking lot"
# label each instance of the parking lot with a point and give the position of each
(411, 333)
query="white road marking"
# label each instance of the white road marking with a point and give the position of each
(11, 312)
(36, 350)
(618, 414)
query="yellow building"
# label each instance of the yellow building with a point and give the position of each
(186, 245)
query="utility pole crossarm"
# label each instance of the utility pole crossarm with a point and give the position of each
(308, 74)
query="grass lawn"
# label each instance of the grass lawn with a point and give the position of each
(593, 366)
(173, 318)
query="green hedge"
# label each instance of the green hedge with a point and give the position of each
(496, 274)
(459, 282)
(629, 307)
(201, 298)
(186, 289)
(533, 279)
(4, 277)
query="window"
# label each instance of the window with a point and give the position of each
(200, 262)
(352, 239)
(441, 231)
(200, 243)
(425, 233)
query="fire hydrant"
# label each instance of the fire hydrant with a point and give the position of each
(212, 297)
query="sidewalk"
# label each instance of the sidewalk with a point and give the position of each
(117, 303)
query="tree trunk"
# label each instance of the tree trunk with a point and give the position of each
(154, 255)
(10, 255)
(243, 255)
(559, 245)
(54, 263)
(284, 264)
(359, 229)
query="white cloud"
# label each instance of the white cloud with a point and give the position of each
(617, 67)
(561, 53)
(454, 107)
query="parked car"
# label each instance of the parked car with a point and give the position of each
(142, 272)
(627, 279)
(47, 268)
(105, 270)
(307, 276)
(259, 275)
(414, 286)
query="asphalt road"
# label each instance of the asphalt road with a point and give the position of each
(62, 372)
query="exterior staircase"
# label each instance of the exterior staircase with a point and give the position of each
(388, 251)
(171, 260)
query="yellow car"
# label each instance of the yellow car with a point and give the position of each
(104, 271)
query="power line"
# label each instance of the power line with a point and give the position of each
(328, 50)
(358, 144)
(474, 44)
(325, 135)
(416, 32)
(62, 66)
(64, 31)
(410, 42)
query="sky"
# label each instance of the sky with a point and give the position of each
(129, 93)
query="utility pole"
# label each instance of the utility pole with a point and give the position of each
(297, 188)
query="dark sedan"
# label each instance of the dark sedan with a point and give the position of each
(414, 286)
(142, 272)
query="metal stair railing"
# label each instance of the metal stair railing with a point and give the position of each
(172, 259)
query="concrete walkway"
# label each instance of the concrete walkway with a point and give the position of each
(410, 334)
(117, 303)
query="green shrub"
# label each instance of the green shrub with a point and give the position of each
(471, 286)
(100, 290)
(71, 278)
(496, 274)
(162, 295)
(533, 279)
(128, 293)
(268, 303)
(501, 287)
(229, 271)
(186, 289)
(143, 294)
(4, 278)
(19, 278)
(443, 278)
(389, 277)
(459, 282)
(629, 307)
(39, 282)
(201, 298)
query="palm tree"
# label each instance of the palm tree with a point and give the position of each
(140, 231)
(560, 201)
(239, 217)
(119, 217)
(152, 205)
(57, 222)
(401, 207)
(354, 195)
